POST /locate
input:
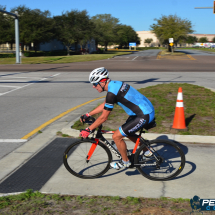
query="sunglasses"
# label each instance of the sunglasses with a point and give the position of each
(95, 84)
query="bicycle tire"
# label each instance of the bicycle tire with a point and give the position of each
(74, 160)
(171, 151)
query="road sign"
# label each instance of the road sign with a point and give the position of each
(171, 40)
(171, 44)
(132, 44)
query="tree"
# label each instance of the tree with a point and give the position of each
(125, 34)
(203, 40)
(34, 26)
(7, 28)
(148, 40)
(191, 39)
(213, 40)
(171, 27)
(104, 29)
(73, 27)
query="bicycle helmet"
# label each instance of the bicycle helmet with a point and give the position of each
(98, 74)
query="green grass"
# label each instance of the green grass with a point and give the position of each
(59, 133)
(63, 59)
(200, 49)
(175, 53)
(37, 203)
(199, 108)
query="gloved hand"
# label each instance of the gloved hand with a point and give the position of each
(84, 117)
(85, 133)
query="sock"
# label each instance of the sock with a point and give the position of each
(126, 162)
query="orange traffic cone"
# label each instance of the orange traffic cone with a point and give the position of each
(179, 118)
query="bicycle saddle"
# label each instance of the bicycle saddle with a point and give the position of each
(152, 124)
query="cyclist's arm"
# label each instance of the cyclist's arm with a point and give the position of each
(99, 109)
(107, 106)
(100, 119)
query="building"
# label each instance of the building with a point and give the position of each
(209, 36)
(145, 35)
(155, 43)
(52, 45)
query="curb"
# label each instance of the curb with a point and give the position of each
(150, 136)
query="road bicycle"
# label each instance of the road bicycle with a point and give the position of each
(90, 158)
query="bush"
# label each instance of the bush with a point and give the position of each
(7, 55)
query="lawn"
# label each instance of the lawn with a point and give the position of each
(200, 49)
(38, 203)
(199, 108)
(63, 59)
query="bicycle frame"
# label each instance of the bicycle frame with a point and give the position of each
(100, 137)
(100, 151)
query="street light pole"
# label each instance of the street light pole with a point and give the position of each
(16, 34)
(203, 7)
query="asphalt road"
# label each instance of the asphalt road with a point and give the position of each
(30, 95)
(31, 98)
(145, 61)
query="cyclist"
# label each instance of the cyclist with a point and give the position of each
(136, 105)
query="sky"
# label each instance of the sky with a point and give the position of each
(139, 14)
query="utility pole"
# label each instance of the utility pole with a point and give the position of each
(16, 33)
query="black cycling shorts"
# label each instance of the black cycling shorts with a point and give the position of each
(133, 124)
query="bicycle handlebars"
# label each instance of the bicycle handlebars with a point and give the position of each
(90, 120)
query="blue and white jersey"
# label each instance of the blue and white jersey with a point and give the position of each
(133, 102)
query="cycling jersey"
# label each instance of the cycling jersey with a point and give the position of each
(132, 101)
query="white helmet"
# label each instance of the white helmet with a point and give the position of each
(98, 74)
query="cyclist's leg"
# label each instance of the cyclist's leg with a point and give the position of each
(134, 125)
(121, 145)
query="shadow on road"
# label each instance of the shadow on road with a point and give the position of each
(187, 171)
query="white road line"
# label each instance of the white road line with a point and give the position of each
(8, 80)
(135, 57)
(55, 75)
(19, 77)
(1, 94)
(8, 86)
(13, 140)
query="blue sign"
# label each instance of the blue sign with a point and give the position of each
(132, 44)
(199, 205)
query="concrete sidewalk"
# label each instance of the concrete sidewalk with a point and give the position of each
(63, 182)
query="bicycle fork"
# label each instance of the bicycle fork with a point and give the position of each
(92, 149)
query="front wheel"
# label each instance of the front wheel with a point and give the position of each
(167, 161)
(75, 159)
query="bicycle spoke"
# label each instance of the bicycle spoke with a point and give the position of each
(78, 164)
(169, 164)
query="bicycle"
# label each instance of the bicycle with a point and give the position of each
(90, 158)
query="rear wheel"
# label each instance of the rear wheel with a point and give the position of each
(75, 159)
(169, 163)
